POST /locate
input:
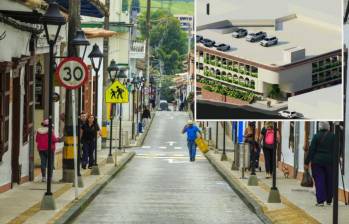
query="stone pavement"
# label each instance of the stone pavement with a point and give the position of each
(30, 194)
(298, 203)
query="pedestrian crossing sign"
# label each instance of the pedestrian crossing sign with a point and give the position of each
(116, 93)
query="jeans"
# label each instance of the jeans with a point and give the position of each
(323, 177)
(192, 150)
(44, 161)
(88, 149)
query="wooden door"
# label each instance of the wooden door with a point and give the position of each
(15, 130)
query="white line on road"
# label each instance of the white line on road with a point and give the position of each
(177, 147)
(146, 147)
(171, 143)
(162, 147)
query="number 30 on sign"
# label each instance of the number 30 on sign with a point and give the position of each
(72, 72)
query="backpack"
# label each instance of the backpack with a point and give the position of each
(269, 138)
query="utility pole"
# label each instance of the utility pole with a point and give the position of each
(105, 73)
(68, 150)
(147, 43)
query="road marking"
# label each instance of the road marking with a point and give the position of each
(162, 147)
(146, 147)
(171, 143)
(176, 161)
(179, 155)
(177, 147)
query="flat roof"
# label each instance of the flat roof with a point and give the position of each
(298, 32)
(309, 25)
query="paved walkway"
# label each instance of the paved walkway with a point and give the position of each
(297, 200)
(160, 185)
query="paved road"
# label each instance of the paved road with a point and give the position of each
(161, 186)
(213, 110)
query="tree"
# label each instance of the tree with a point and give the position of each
(124, 5)
(167, 92)
(167, 40)
(274, 91)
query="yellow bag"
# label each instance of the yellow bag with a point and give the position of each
(202, 144)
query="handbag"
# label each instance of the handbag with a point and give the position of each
(307, 180)
(201, 143)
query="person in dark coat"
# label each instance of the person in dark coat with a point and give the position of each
(145, 116)
(88, 138)
(320, 156)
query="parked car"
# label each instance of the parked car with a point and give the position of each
(290, 114)
(163, 106)
(240, 33)
(269, 41)
(253, 37)
(223, 47)
(208, 42)
(199, 38)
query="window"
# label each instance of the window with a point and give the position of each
(4, 106)
(28, 100)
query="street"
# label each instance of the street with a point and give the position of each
(213, 110)
(160, 185)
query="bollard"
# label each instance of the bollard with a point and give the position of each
(236, 161)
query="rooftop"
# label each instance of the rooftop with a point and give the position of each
(293, 30)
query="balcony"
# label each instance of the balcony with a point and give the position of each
(137, 50)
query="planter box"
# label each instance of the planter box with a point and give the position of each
(207, 95)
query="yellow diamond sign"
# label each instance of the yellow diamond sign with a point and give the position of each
(116, 93)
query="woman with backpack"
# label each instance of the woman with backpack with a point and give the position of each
(267, 136)
(320, 156)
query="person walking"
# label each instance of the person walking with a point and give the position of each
(250, 138)
(145, 116)
(267, 136)
(88, 138)
(320, 156)
(42, 146)
(192, 133)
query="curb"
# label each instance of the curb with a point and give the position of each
(82, 203)
(251, 203)
(142, 138)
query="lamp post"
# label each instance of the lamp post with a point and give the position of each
(52, 21)
(121, 77)
(96, 57)
(224, 155)
(80, 40)
(112, 71)
(274, 195)
(135, 86)
(252, 180)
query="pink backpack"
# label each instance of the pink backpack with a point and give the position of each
(269, 137)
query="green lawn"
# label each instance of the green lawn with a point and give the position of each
(177, 6)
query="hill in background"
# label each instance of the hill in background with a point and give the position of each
(175, 6)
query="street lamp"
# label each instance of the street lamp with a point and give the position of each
(121, 77)
(224, 155)
(52, 21)
(79, 40)
(274, 195)
(96, 57)
(112, 71)
(135, 86)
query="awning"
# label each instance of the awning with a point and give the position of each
(93, 8)
(25, 21)
(98, 32)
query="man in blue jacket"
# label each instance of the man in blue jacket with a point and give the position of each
(191, 131)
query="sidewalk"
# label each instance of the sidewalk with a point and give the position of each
(298, 203)
(22, 203)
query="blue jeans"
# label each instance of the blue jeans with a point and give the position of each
(44, 161)
(192, 149)
(88, 149)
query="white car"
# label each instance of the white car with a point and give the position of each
(290, 114)
(269, 41)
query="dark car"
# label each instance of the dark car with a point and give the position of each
(253, 37)
(208, 42)
(223, 47)
(240, 33)
(199, 38)
(163, 105)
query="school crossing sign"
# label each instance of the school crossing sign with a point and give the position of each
(116, 93)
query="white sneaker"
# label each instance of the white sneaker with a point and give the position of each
(43, 179)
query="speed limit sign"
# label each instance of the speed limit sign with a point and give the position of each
(72, 72)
